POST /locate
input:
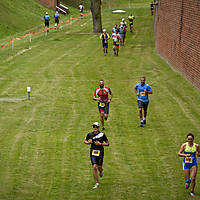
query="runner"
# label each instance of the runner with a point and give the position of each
(131, 18)
(114, 29)
(142, 90)
(98, 140)
(116, 39)
(122, 31)
(46, 20)
(81, 7)
(189, 151)
(56, 17)
(105, 37)
(101, 95)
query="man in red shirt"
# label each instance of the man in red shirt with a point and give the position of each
(101, 95)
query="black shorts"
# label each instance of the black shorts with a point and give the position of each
(98, 160)
(143, 105)
(56, 21)
(47, 24)
(105, 45)
(103, 107)
(131, 23)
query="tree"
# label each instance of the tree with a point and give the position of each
(96, 15)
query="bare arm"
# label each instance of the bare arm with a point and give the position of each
(96, 98)
(102, 144)
(198, 150)
(88, 141)
(180, 153)
(136, 91)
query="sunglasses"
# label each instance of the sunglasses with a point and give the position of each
(190, 139)
(94, 126)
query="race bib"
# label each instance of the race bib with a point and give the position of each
(142, 93)
(188, 160)
(102, 105)
(95, 152)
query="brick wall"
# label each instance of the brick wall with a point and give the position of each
(177, 32)
(49, 3)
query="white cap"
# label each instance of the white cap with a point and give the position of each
(104, 30)
(46, 13)
(96, 124)
(122, 19)
(56, 12)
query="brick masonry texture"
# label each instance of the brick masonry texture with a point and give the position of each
(177, 32)
(49, 3)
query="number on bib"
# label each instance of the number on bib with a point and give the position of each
(102, 105)
(188, 160)
(95, 152)
(142, 93)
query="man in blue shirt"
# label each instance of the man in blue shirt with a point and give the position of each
(46, 20)
(142, 90)
(56, 17)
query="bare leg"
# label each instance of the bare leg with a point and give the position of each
(105, 116)
(95, 173)
(102, 118)
(193, 177)
(140, 113)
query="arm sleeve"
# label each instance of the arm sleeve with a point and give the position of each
(101, 36)
(149, 88)
(136, 87)
(88, 137)
(105, 138)
(95, 93)
(108, 36)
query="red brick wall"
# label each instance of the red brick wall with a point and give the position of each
(49, 3)
(177, 30)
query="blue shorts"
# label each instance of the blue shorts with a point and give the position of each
(189, 165)
(143, 105)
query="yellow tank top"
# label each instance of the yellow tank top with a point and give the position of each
(192, 149)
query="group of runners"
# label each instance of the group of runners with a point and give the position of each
(118, 35)
(96, 138)
(103, 95)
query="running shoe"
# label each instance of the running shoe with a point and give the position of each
(144, 121)
(101, 173)
(141, 124)
(192, 194)
(96, 186)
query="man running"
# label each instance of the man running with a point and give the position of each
(46, 20)
(81, 7)
(122, 31)
(98, 140)
(105, 37)
(116, 39)
(189, 151)
(142, 90)
(101, 95)
(115, 28)
(56, 17)
(131, 18)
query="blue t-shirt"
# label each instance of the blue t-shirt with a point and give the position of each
(142, 96)
(56, 16)
(46, 18)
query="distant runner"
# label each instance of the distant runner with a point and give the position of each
(189, 151)
(142, 90)
(131, 19)
(101, 95)
(98, 140)
(122, 31)
(152, 8)
(46, 20)
(56, 17)
(115, 28)
(81, 7)
(105, 37)
(116, 40)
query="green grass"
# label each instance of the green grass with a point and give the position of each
(42, 155)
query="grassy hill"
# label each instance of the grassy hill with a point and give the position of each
(76, 3)
(19, 16)
(42, 154)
